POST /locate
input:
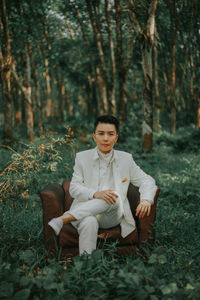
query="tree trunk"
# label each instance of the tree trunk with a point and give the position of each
(156, 85)
(6, 62)
(120, 67)
(54, 104)
(147, 124)
(147, 39)
(198, 114)
(62, 101)
(112, 100)
(174, 29)
(17, 114)
(29, 105)
(173, 70)
(167, 88)
(48, 106)
(102, 101)
(102, 77)
(38, 107)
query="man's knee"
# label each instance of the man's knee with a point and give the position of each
(89, 223)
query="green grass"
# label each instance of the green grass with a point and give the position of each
(169, 271)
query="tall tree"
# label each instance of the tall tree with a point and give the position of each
(174, 33)
(146, 40)
(123, 58)
(112, 94)
(100, 71)
(6, 65)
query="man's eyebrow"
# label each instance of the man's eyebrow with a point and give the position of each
(110, 131)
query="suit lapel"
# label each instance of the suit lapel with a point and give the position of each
(117, 175)
(95, 171)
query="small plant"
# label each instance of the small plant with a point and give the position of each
(26, 168)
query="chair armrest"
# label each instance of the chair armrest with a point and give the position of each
(133, 196)
(146, 228)
(52, 197)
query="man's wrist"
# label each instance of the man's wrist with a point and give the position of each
(91, 195)
(145, 201)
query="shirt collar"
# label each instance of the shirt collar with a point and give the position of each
(96, 155)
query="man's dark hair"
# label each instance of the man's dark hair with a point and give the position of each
(107, 119)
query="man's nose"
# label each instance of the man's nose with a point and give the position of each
(105, 137)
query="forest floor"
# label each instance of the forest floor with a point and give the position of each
(169, 271)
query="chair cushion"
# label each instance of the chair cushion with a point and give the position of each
(69, 236)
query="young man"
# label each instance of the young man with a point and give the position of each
(99, 187)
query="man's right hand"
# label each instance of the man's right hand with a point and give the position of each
(108, 195)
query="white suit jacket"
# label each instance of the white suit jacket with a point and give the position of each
(85, 181)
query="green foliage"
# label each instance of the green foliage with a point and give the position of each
(169, 271)
(26, 169)
(186, 139)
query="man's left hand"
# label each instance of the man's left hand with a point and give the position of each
(143, 209)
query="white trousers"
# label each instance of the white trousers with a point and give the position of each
(92, 215)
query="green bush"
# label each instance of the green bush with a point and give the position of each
(169, 271)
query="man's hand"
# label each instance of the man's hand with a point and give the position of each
(108, 195)
(143, 208)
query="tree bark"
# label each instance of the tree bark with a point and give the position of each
(48, 106)
(112, 100)
(17, 113)
(120, 68)
(156, 83)
(167, 88)
(102, 77)
(174, 30)
(6, 63)
(62, 100)
(38, 107)
(102, 102)
(27, 92)
(147, 38)
(198, 114)
(173, 74)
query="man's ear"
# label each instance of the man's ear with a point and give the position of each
(94, 137)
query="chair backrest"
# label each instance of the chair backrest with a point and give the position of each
(68, 198)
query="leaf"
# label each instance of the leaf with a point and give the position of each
(189, 287)
(149, 289)
(152, 259)
(165, 290)
(27, 256)
(50, 285)
(22, 295)
(6, 289)
(53, 166)
(162, 259)
(24, 281)
(153, 297)
(141, 294)
(169, 289)
(97, 254)
(78, 265)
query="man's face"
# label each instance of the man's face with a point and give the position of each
(105, 137)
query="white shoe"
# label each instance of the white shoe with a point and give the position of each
(56, 224)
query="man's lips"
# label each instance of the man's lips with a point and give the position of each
(105, 145)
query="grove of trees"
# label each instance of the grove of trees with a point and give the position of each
(63, 60)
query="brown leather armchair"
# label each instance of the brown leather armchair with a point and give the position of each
(56, 200)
